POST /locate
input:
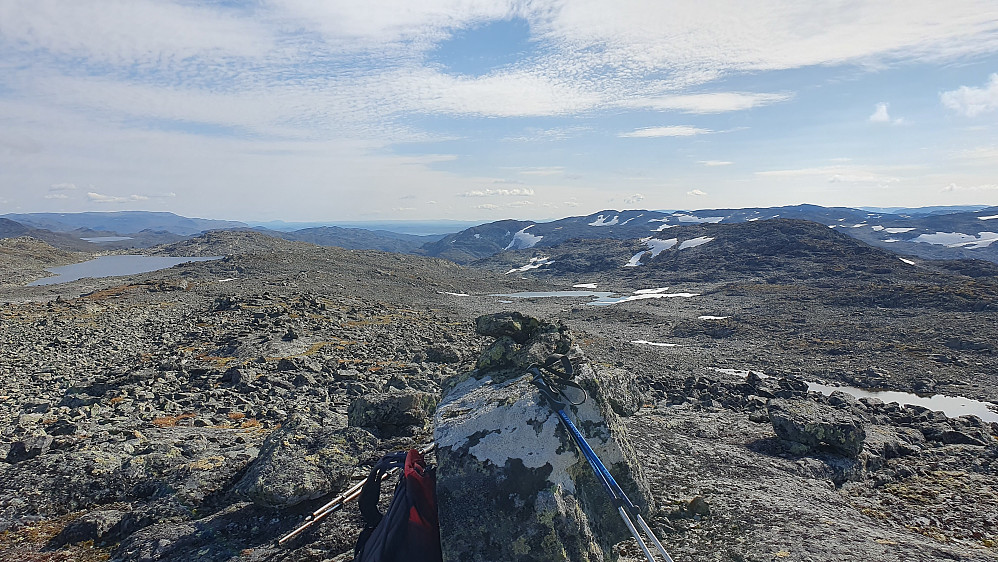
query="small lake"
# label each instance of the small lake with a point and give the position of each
(99, 239)
(112, 266)
(952, 406)
(601, 298)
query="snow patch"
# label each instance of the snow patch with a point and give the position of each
(453, 294)
(523, 240)
(535, 263)
(877, 228)
(958, 239)
(712, 317)
(741, 373)
(665, 226)
(898, 230)
(584, 286)
(642, 294)
(655, 247)
(694, 242)
(630, 219)
(655, 343)
(909, 262)
(992, 217)
(651, 291)
(696, 219)
(602, 221)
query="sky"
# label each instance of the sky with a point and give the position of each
(305, 110)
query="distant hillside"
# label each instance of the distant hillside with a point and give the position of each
(122, 222)
(954, 235)
(774, 249)
(24, 258)
(357, 238)
(14, 229)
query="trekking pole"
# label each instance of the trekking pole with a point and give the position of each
(339, 501)
(624, 506)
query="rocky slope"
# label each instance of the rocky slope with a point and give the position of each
(200, 412)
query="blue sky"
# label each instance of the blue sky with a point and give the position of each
(454, 109)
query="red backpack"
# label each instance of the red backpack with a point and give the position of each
(409, 531)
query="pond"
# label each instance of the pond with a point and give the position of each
(112, 266)
(99, 239)
(601, 298)
(952, 406)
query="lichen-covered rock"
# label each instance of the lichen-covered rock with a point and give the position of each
(621, 391)
(303, 461)
(511, 484)
(521, 341)
(90, 527)
(394, 413)
(811, 425)
(509, 324)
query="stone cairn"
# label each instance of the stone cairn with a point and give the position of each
(511, 484)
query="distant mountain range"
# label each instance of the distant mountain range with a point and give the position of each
(122, 222)
(961, 234)
(931, 232)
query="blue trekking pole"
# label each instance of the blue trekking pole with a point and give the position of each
(557, 400)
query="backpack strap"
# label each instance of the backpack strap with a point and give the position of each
(371, 493)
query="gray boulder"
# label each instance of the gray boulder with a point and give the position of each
(390, 414)
(510, 482)
(303, 461)
(809, 425)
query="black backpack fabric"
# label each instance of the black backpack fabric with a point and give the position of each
(409, 531)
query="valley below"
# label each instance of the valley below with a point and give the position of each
(200, 412)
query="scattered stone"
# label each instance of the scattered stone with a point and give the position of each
(303, 461)
(29, 448)
(389, 414)
(91, 527)
(812, 425)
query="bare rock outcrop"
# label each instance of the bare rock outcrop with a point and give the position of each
(510, 483)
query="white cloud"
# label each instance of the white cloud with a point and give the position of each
(524, 192)
(672, 131)
(863, 178)
(838, 174)
(543, 171)
(982, 187)
(126, 32)
(487, 206)
(696, 193)
(970, 101)
(983, 154)
(634, 199)
(715, 162)
(62, 187)
(101, 198)
(718, 102)
(880, 114)
(56, 196)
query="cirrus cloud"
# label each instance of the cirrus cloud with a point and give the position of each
(670, 131)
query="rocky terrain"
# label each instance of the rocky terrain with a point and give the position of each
(201, 412)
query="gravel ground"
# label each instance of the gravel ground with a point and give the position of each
(133, 408)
